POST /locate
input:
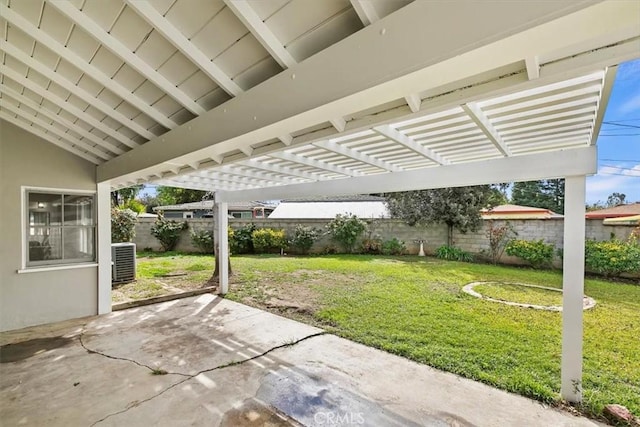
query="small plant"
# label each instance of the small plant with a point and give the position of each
(451, 253)
(346, 230)
(123, 225)
(613, 257)
(536, 252)
(203, 240)
(304, 238)
(268, 240)
(330, 250)
(498, 236)
(372, 245)
(167, 232)
(241, 241)
(393, 247)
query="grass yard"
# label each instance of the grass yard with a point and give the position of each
(414, 307)
(164, 274)
(520, 294)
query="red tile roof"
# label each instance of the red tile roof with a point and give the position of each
(616, 212)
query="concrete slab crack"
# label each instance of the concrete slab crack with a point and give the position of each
(191, 376)
(155, 371)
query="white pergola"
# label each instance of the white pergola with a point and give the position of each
(275, 99)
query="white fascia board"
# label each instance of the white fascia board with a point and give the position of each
(572, 162)
(376, 68)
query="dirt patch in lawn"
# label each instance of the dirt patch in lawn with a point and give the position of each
(297, 294)
(172, 283)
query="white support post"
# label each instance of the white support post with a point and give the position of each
(222, 222)
(104, 247)
(573, 288)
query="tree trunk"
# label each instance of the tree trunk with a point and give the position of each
(449, 235)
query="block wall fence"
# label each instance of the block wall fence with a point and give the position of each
(550, 230)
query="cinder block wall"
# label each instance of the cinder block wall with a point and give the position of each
(551, 231)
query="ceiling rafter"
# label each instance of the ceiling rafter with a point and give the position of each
(48, 137)
(414, 102)
(256, 175)
(250, 19)
(366, 11)
(52, 129)
(480, 119)
(62, 103)
(115, 46)
(357, 155)
(280, 169)
(59, 119)
(75, 90)
(339, 123)
(216, 181)
(410, 143)
(319, 164)
(200, 186)
(41, 37)
(184, 45)
(237, 179)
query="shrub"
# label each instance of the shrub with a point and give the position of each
(167, 232)
(346, 229)
(372, 246)
(498, 236)
(535, 252)
(123, 225)
(393, 247)
(304, 238)
(452, 253)
(266, 240)
(613, 257)
(203, 240)
(135, 206)
(241, 241)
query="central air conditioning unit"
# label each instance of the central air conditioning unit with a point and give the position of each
(123, 262)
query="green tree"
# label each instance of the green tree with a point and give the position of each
(456, 207)
(124, 195)
(176, 196)
(616, 199)
(547, 194)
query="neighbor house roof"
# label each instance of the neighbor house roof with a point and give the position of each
(518, 212)
(616, 212)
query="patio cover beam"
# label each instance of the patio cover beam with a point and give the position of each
(381, 66)
(150, 14)
(119, 49)
(578, 161)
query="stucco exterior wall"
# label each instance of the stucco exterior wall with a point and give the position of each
(38, 297)
(550, 230)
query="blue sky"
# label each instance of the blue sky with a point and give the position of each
(619, 140)
(618, 143)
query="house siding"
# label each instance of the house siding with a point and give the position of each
(38, 297)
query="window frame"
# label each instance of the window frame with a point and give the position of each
(61, 263)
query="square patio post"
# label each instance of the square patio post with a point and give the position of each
(222, 223)
(104, 247)
(573, 288)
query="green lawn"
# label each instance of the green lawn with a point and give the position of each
(520, 294)
(414, 307)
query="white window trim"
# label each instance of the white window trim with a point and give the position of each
(57, 267)
(23, 226)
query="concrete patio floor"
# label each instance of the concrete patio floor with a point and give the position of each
(207, 361)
